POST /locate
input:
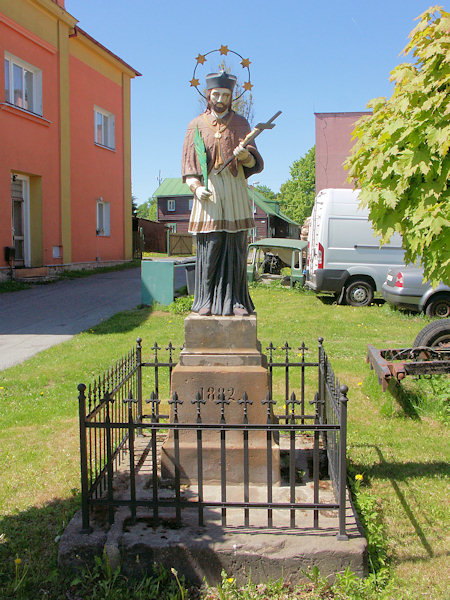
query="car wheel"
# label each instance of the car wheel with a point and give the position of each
(434, 334)
(439, 307)
(359, 293)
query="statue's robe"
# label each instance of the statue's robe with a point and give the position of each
(221, 222)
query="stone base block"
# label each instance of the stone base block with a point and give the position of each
(221, 341)
(210, 381)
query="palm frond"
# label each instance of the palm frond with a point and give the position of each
(200, 150)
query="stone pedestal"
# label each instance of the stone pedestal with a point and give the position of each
(221, 354)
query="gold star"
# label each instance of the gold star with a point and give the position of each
(194, 82)
(224, 49)
(245, 62)
(201, 58)
(247, 86)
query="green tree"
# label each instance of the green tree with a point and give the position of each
(133, 206)
(401, 161)
(297, 195)
(147, 210)
(266, 191)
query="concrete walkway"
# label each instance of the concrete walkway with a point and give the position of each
(35, 319)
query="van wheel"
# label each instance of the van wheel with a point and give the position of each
(434, 334)
(359, 293)
(439, 307)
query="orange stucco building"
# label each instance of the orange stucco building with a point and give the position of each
(65, 172)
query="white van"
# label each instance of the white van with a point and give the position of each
(344, 256)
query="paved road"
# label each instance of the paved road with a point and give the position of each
(35, 319)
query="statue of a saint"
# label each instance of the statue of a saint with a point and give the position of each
(222, 212)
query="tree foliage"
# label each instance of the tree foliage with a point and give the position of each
(297, 195)
(133, 206)
(266, 191)
(401, 160)
(147, 210)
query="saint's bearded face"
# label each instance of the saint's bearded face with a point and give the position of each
(220, 100)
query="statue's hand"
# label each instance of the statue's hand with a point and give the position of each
(202, 193)
(241, 153)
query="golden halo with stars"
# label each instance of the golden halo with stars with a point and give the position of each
(201, 59)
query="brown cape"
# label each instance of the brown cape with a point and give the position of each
(236, 131)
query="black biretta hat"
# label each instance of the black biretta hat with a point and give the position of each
(220, 80)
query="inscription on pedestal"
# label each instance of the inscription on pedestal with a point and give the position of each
(209, 368)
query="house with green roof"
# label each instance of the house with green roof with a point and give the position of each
(174, 204)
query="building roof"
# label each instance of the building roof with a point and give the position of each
(173, 186)
(271, 207)
(78, 29)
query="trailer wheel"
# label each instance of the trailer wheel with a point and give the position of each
(439, 306)
(434, 334)
(359, 293)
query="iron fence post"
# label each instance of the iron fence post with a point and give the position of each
(139, 381)
(129, 401)
(85, 528)
(176, 435)
(316, 462)
(109, 465)
(155, 419)
(199, 401)
(343, 462)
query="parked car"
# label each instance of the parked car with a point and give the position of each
(405, 288)
(344, 255)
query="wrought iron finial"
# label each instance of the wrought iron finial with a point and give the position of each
(198, 401)
(222, 401)
(129, 400)
(343, 389)
(155, 349)
(245, 401)
(286, 349)
(268, 400)
(271, 348)
(292, 402)
(174, 400)
(155, 403)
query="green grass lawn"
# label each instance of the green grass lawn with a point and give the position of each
(397, 441)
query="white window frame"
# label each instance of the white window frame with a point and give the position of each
(171, 205)
(105, 135)
(103, 218)
(172, 227)
(36, 78)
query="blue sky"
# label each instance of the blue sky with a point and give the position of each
(306, 57)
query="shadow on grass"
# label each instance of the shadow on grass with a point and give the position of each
(329, 300)
(123, 321)
(29, 537)
(395, 472)
(407, 400)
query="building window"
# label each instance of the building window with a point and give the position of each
(104, 128)
(172, 227)
(191, 203)
(103, 220)
(23, 84)
(171, 205)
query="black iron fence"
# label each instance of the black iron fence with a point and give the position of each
(116, 432)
